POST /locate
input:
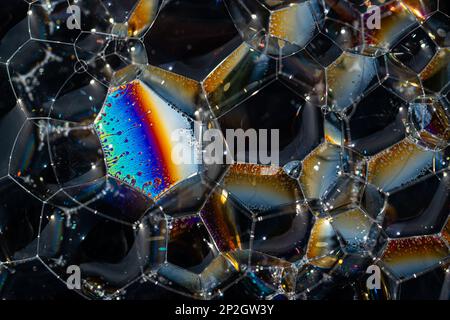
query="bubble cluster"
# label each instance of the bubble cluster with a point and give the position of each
(87, 179)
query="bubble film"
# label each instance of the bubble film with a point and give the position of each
(93, 92)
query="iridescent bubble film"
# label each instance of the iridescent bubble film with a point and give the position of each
(135, 131)
(100, 99)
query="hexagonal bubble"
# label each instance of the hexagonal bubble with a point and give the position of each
(38, 70)
(30, 163)
(193, 265)
(416, 50)
(376, 121)
(409, 257)
(227, 221)
(135, 136)
(300, 125)
(77, 237)
(362, 67)
(428, 122)
(215, 278)
(289, 238)
(108, 197)
(322, 170)
(396, 21)
(402, 164)
(241, 74)
(191, 38)
(261, 188)
(54, 20)
(274, 27)
(19, 222)
(358, 233)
